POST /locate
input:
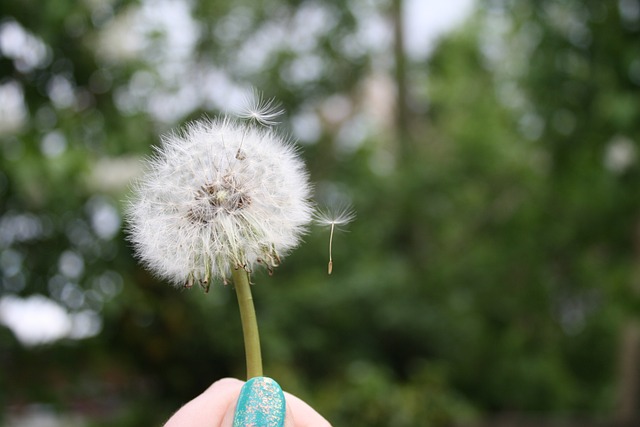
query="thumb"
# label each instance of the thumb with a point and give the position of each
(261, 403)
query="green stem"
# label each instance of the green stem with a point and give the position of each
(249, 323)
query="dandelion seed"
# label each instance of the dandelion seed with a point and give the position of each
(201, 210)
(261, 110)
(334, 218)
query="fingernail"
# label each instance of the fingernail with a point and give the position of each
(260, 404)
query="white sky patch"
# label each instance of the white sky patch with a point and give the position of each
(180, 32)
(374, 32)
(620, 154)
(39, 320)
(61, 92)
(26, 50)
(427, 20)
(34, 320)
(71, 264)
(13, 112)
(19, 228)
(105, 219)
(53, 144)
(306, 126)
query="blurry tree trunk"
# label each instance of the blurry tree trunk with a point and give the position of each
(626, 411)
(401, 113)
(629, 356)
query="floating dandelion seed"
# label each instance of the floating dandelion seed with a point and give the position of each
(334, 218)
(220, 195)
(261, 110)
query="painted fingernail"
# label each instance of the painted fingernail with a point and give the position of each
(260, 404)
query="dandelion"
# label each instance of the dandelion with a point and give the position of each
(219, 198)
(333, 218)
(202, 210)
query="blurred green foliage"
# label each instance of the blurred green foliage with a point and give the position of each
(490, 269)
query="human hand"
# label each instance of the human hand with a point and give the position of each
(223, 401)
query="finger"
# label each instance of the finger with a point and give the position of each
(261, 403)
(209, 408)
(300, 414)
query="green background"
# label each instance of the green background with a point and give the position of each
(491, 275)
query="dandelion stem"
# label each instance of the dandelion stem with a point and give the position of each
(249, 323)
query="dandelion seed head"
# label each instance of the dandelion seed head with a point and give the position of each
(220, 194)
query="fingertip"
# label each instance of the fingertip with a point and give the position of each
(300, 414)
(225, 385)
(210, 407)
(261, 403)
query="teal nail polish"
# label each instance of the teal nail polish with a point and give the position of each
(260, 404)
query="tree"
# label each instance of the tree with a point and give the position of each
(491, 263)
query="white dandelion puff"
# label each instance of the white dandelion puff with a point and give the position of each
(219, 195)
(334, 218)
(261, 110)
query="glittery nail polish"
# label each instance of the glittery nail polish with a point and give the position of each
(260, 404)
